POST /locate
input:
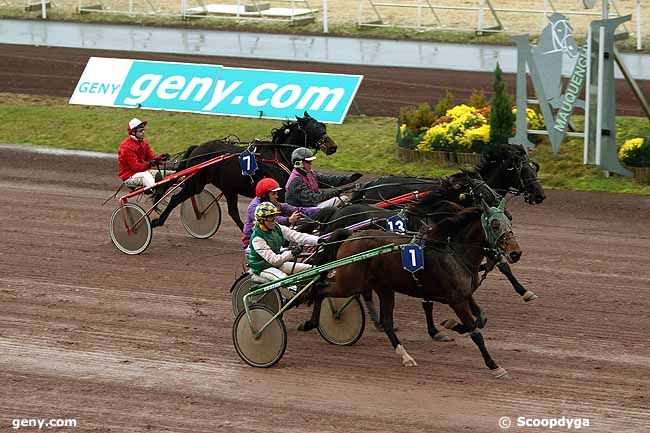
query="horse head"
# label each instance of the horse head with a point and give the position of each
(498, 231)
(562, 35)
(508, 168)
(305, 132)
(557, 37)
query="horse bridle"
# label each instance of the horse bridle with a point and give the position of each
(319, 144)
(524, 182)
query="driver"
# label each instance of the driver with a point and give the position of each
(135, 157)
(265, 258)
(268, 189)
(303, 186)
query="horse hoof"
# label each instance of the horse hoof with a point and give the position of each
(409, 363)
(501, 373)
(154, 223)
(529, 296)
(407, 360)
(481, 321)
(449, 323)
(307, 326)
(442, 337)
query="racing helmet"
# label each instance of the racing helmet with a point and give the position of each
(265, 186)
(301, 154)
(134, 124)
(265, 210)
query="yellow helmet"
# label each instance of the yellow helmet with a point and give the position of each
(266, 210)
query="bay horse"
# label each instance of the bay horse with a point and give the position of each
(453, 251)
(505, 168)
(468, 189)
(273, 159)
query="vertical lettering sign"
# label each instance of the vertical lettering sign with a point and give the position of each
(573, 90)
(214, 89)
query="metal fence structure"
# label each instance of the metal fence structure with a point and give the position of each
(482, 16)
(486, 16)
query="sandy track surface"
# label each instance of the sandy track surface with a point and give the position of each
(55, 71)
(135, 344)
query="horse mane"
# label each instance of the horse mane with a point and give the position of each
(278, 134)
(454, 225)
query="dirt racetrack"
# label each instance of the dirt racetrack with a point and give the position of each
(136, 344)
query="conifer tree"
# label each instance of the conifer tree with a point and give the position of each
(502, 120)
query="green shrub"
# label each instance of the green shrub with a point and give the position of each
(417, 118)
(444, 105)
(502, 120)
(478, 99)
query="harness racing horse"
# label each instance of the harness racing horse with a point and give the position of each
(506, 169)
(436, 206)
(453, 251)
(274, 160)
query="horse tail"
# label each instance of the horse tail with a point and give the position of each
(183, 163)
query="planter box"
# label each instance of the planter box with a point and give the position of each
(419, 155)
(467, 158)
(641, 173)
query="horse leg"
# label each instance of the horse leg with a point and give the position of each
(312, 323)
(528, 295)
(462, 310)
(386, 306)
(233, 211)
(481, 317)
(372, 310)
(186, 192)
(431, 328)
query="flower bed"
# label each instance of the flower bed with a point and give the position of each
(635, 154)
(459, 135)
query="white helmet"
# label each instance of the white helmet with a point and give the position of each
(134, 124)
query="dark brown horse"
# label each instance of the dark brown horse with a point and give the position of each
(454, 249)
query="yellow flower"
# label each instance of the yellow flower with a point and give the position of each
(629, 147)
(482, 133)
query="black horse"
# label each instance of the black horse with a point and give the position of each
(506, 168)
(273, 159)
(454, 249)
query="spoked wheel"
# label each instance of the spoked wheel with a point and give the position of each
(242, 286)
(266, 349)
(201, 214)
(342, 320)
(130, 229)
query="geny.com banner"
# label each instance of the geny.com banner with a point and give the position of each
(215, 89)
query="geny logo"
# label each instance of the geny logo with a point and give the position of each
(215, 89)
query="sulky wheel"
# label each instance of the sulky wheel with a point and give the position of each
(266, 349)
(130, 229)
(342, 320)
(242, 286)
(201, 214)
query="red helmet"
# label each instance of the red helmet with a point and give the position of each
(265, 186)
